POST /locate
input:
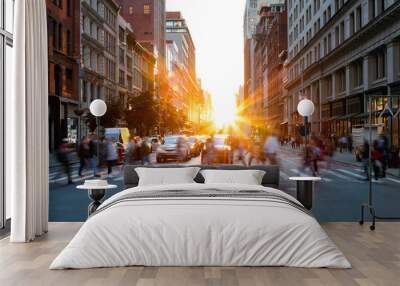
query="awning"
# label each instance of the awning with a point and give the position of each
(284, 122)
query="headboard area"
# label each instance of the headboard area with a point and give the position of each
(270, 179)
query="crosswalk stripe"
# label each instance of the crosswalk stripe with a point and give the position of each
(351, 173)
(393, 180)
(338, 175)
(305, 175)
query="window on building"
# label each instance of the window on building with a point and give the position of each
(357, 73)
(358, 18)
(69, 79)
(146, 9)
(69, 43)
(130, 10)
(379, 63)
(371, 9)
(121, 56)
(352, 23)
(380, 6)
(70, 8)
(60, 37)
(341, 81)
(341, 32)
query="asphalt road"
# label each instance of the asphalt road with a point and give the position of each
(337, 197)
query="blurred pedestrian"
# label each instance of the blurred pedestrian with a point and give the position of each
(271, 148)
(94, 158)
(111, 154)
(365, 158)
(84, 154)
(131, 150)
(210, 151)
(63, 157)
(145, 151)
(255, 153)
(241, 152)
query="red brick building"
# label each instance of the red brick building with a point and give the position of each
(63, 21)
(147, 18)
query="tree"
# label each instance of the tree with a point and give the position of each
(171, 118)
(115, 111)
(142, 114)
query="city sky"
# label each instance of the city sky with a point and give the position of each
(217, 31)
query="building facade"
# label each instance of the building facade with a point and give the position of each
(249, 30)
(340, 53)
(63, 54)
(147, 18)
(110, 52)
(185, 82)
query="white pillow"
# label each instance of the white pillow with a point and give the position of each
(247, 177)
(166, 176)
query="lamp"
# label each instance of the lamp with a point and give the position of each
(98, 108)
(305, 108)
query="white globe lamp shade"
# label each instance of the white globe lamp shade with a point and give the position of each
(305, 108)
(98, 107)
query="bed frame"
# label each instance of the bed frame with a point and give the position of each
(270, 179)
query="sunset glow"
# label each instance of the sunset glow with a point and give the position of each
(224, 111)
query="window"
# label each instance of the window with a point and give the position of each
(146, 9)
(69, 43)
(341, 81)
(371, 9)
(352, 23)
(357, 74)
(379, 63)
(69, 79)
(358, 18)
(69, 8)
(130, 10)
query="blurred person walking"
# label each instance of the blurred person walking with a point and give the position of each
(145, 151)
(255, 152)
(111, 154)
(63, 157)
(210, 154)
(93, 147)
(84, 154)
(131, 151)
(241, 152)
(271, 148)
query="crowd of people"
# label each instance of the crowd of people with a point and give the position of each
(102, 152)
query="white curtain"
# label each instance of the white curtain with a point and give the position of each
(27, 124)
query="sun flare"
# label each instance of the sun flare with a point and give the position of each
(224, 112)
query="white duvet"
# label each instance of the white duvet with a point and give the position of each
(200, 232)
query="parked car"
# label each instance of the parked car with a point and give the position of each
(173, 147)
(195, 146)
(222, 151)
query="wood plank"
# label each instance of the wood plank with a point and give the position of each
(375, 257)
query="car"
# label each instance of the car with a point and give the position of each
(222, 150)
(195, 146)
(174, 147)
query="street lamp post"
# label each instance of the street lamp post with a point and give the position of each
(98, 108)
(305, 108)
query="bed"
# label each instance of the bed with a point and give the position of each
(197, 224)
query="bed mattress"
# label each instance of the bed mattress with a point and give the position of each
(201, 225)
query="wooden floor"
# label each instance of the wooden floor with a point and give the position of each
(375, 257)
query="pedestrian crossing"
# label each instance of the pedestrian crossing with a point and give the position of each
(354, 175)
